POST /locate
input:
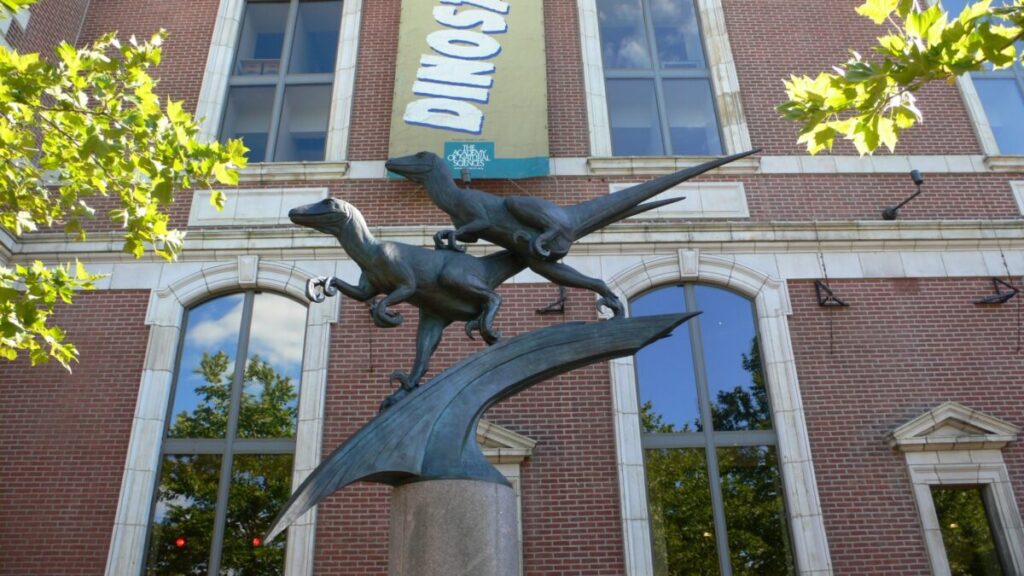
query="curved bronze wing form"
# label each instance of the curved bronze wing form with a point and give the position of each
(432, 433)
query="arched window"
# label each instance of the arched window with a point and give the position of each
(714, 489)
(228, 450)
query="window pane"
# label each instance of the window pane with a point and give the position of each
(623, 40)
(667, 385)
(692, 125)
(316, 38)
(755, 516)
(682, 524)
(1004, 106)
(260, 485)
(677, 34)
(183, 523)
(732, 358)
(259, 46)
(202, 393)
(303, 130)
(966, 531)
(633, 113)
(270, 391)
(248, 117)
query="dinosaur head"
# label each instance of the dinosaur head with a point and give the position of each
(327, 215)
(417, 167)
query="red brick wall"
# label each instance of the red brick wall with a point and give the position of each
(184, 54)
(902, 347)
(64, 437)
(772, 40)
(51, 22)
(571, 519)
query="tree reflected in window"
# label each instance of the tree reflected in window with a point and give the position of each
(228, 454)
(714, 492)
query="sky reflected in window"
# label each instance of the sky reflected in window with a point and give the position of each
(203, 389)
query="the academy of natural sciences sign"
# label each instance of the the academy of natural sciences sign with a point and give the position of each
(471, 86)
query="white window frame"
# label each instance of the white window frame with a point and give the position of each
(996, 160)
(167, 305)
(771, 300)
(214, 91)
(724, 81)
(954, 445)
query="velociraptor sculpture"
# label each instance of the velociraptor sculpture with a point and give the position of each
(538, 231)
(446, 286)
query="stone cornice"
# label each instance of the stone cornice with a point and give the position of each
(622, 238)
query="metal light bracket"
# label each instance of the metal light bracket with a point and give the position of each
(825, 295)
(558, 306)
(999, 297)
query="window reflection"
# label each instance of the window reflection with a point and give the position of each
(623, 40)
(183, 521)
(732, 359)
(316, 38)
(754, 512)
(714, 492)
(966, 531)
(260, 485)
(203, 387)
(667, 385)
(270, 391)
(211, 403)
(682, 525)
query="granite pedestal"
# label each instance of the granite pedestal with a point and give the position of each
(453, 528)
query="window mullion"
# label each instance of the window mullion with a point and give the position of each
(224, 485)
(703, 396)
(282, 73)
(659, 96)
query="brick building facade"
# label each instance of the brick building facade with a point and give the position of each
(877, 409)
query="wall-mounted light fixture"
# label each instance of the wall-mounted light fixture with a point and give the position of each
(892, 212)
(1000, 296)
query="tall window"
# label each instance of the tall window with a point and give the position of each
(280, 88)
(226, 468)
(714, 489)
(656, 78)
(1001, 93)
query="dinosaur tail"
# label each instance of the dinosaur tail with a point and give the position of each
(501, 266)
(597, 213)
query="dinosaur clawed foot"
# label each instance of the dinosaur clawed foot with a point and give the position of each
(487, 332)
(445, 240)
(405, 387)
(612, 302)
(383, 317)
(404, 380)
(318, 289)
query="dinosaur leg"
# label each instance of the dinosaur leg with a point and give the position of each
(428, 336)
(362, 292)
(478, 290)
(568, 276)
(447, 239)
(385, 318)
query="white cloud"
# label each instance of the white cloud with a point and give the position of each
(277, 335)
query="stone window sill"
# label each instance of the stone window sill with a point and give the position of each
(292, 171)
(1005, 163)
(639, 165)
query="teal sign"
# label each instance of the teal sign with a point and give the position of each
(480, 160)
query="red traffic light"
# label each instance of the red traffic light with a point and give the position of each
(180, 542)
(256, 542)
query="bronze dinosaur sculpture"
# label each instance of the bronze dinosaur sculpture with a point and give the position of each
(538, 231)
(445, 285)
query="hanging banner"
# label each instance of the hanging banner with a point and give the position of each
(471, 86)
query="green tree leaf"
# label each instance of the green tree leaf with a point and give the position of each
(86, 124)
(870, 101)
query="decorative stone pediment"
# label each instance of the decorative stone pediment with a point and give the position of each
(953, 426)
(501, 445)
